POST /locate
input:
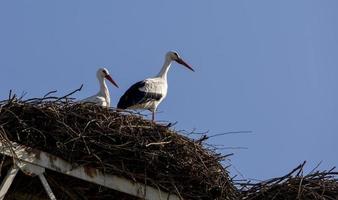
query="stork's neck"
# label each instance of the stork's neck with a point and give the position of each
(164, 71)
(104, 92)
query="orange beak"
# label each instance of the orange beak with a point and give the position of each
(108, 77)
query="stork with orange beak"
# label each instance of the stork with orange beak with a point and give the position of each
(102, 98)
(149, 93)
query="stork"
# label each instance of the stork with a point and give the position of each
(149, 93)
(102, 98)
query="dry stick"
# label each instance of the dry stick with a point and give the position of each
(300, 188)
(158, 143)
(2, 163)
(71, 93)
(11, 98)
(10, 94)
(301, 169)
(4, 139)
(49, 93)
(314, 169)
(101, 162)
(312, 183)
(23, 94)
(84, 141)
(280, 179)
(39, 100)
(56, 99)
(228, 133)
(177, 191)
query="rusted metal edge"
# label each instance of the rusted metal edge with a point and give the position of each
(51, 162)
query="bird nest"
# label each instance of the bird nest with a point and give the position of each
(317, 185)
(117, 143)
(125, 144)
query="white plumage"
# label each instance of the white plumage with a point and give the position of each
(149, 93)
(156, 86)
(102, 98)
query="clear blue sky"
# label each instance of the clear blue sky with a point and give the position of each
(266, 66)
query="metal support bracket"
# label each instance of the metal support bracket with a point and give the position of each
(45, 160)
(7, 182)
(34, 170)
(47, 187)
(28, 169)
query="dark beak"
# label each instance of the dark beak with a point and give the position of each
(108, 77)
(182, 62)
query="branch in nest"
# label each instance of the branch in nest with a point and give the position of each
(158, 143)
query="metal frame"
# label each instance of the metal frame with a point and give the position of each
(7, 182)
(34, 160)
(47, 187)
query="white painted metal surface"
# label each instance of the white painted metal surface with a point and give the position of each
(7, 182)
(47, 187)
(29, 169)
(34, 170)
(48, 161)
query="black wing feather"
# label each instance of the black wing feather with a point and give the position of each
(134, 96)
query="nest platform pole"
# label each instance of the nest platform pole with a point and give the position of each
(7, 182)
(28, 169)
(47, 187)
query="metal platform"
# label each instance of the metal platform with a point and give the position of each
(34, 162)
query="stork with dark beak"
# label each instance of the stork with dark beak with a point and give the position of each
(149, 93)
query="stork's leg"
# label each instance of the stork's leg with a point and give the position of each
(153, 115)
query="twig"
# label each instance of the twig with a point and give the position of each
(49, 93)
(158, 143)
(71, 93)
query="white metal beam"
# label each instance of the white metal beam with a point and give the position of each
(7, 182)
(47, 187)
(34, 170)
(89, 174)
(30, 169)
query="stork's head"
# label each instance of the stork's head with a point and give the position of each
(104, 73)
(173, 55)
